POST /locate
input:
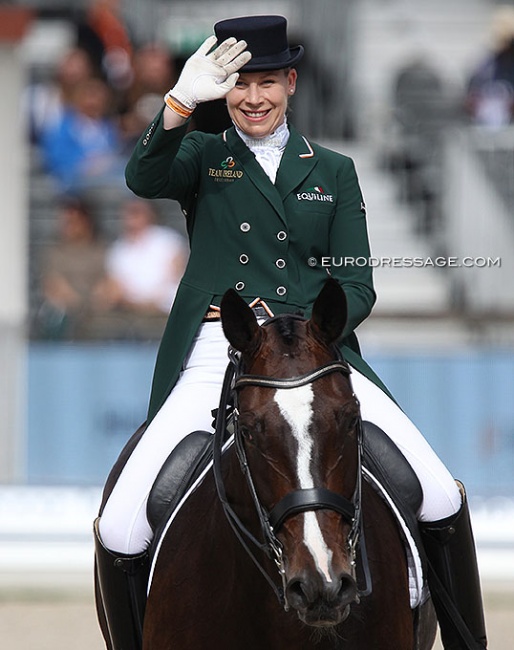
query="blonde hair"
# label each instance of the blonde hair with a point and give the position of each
(502, 26)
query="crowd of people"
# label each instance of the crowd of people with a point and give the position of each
(83, 119)
(92, 288)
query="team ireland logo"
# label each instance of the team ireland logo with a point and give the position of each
(226, 171)
(228, 163)
(315, 193)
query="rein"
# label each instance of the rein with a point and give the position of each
(293, 503)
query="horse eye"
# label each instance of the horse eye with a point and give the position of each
(349, 422)
(246, 433)
(354, 421)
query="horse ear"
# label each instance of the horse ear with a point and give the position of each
(329, 313)
(239, 323)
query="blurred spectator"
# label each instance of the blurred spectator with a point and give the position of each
(105, 36)
(45, 102)
(424, 105)
(153, 72)
(72, 274)
(418, 86)
(490, 96)
(82, 148)
(146, 263)
(153, 75)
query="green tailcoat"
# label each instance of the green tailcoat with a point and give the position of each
(276, 241)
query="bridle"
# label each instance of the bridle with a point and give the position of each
(293, 503)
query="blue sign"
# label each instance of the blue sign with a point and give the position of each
(86, 400)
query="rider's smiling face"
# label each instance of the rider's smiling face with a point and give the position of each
(258, 102)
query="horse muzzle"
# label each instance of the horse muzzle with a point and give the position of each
(321, 603)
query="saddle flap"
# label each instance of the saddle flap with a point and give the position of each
(387, 463)
(179, 471)
(389, 473)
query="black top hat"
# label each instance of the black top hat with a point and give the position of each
(267, 41)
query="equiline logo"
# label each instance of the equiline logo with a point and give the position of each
(316, 193)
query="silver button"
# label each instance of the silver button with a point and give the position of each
(239, 286)
(280, 263)
(245, 226)
(243, 258)
(281, 235)
(281, 291)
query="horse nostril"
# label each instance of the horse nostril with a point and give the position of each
(347, 591)
(302, 593)
(296, 594)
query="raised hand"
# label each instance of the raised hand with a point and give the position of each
(208, 75)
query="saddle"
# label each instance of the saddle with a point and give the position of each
(389, 473)
(180, 470)
(384, 467)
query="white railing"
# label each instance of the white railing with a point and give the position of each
(48, 531)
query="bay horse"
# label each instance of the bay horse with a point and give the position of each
(262, 554)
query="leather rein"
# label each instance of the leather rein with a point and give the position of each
(293, 503)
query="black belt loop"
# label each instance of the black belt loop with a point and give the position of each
(260, 312)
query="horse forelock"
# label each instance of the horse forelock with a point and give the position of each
(286, 328)
(289, 335)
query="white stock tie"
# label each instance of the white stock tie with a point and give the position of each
(268, 150)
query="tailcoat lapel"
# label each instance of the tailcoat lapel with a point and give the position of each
(253, 170)
(296, 164)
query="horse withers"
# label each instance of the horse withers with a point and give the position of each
(264, 551)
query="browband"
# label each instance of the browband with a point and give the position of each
(292, 382)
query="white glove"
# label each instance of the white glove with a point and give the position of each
(205, 76)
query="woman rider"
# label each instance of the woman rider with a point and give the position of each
(262, 205)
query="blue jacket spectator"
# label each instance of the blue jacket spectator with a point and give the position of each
(81, 149)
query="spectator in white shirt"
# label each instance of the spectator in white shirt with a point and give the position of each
(146, 263)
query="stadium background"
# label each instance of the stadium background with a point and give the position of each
(442, 338)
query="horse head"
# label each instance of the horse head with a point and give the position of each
(301, 441)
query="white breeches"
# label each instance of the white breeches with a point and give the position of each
(124, 526)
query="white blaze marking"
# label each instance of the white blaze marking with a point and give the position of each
(295, 406)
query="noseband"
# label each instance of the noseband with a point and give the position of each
(293, 503)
